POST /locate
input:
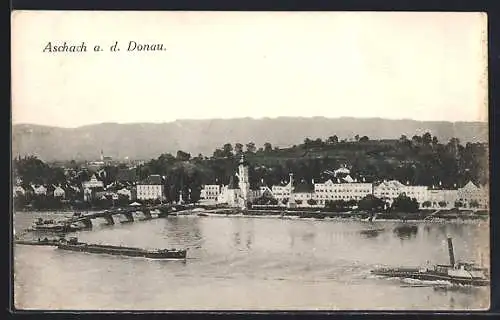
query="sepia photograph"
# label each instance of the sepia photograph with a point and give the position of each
(202, 160)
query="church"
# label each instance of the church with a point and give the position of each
(238, 195)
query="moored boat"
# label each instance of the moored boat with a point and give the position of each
(53, 226)
(463, 273)
(74, 245)
(39, 242)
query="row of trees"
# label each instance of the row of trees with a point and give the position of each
(228, 150)
(32, 170)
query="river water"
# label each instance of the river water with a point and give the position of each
(250, 264)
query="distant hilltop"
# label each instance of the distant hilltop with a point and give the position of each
(143, 141)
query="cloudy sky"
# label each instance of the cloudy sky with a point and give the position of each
(423, 66)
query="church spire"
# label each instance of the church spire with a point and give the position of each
(243, 161)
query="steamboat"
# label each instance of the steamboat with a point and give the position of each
(462, 273)
(73, 245)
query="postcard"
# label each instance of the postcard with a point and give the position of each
(250, 161)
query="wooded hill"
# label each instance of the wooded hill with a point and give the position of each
(143, 141)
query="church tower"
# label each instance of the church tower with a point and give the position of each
(244, 182)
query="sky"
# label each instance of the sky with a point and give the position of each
(422, 66)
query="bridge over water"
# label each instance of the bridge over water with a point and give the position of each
(128, 213)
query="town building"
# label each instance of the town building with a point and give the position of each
(92, 183)
(59, 192)
(210, 192)
(230, 194)
(255, 193)
(418, 192)
(264, 191)
(151, 188)
(39, 190)
(330, 191)
(124, 192)
(441, 198)
(472, 196)
(388, 190)
(281, 191)
(18, 191)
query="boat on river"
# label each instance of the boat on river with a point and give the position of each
(73, 245)
(39, 242)
(53, 226)
(462, 273)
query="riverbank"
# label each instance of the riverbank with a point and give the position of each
(322, 214)
(350, 219)
(315, 213)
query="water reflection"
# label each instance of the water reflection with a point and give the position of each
(457, 229)
(371, 233)
(183, 230)
(427, 228)
(405, 232)
(462, 297)
(249, 239)
(237, 238)
(442, 229)
(456, 288)
(308, 237)
(292, 240)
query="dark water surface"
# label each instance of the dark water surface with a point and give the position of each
(247, 263)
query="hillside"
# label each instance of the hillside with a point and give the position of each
(148, 140)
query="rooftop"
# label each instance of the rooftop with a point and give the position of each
(153, 179)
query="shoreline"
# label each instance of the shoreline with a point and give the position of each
(418, 217)
(346, 219)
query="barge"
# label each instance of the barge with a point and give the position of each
(74, 245)
(462, 273)
(39, 242)
(52, 226)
